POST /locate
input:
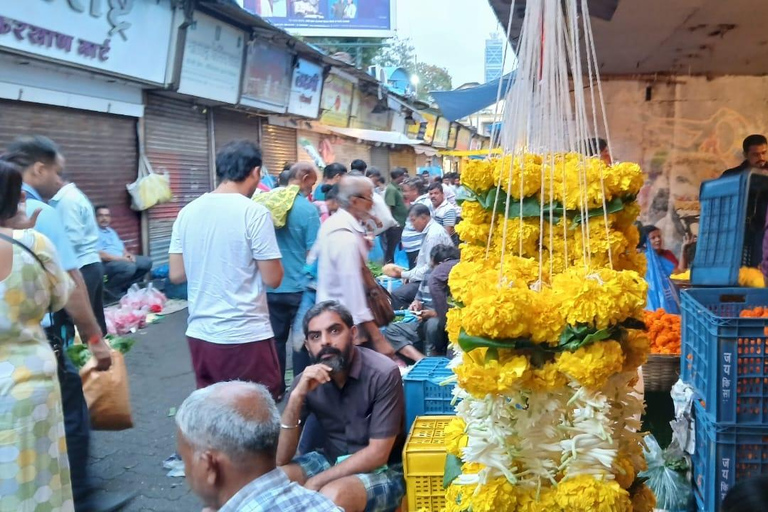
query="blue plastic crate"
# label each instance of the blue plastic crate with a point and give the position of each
(731, 226)
(723, 456)
(724, 356)
(423, 393)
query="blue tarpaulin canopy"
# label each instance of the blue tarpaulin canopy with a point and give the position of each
(458, 104)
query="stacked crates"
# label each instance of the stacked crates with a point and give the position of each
(426, 391)
(724, 360)
(424, 463)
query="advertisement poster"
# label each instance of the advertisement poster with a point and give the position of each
(464, 139)
(336, 102)
(454, 131)
(442, 129)
(336, 18)
(429, 132)
(306, 88)
(267, 79)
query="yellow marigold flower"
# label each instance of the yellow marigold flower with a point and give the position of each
(624, 472)
(546, 378)
(526, 232)
(501, 313)
(473, 233)
(525, 174)
(474, 213)
(631, 260)
(476, 252)
(455, 436)
(585, 493)
(547, 317)
(624, 179)
(453, 325)
(751, 277)
(480, 377)
(478, 176)
(593, 365)
(636, 347)
(626, 217)
(537, 500)
(643, 499)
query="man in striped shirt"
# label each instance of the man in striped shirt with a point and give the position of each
(444, 212)
(414, 192)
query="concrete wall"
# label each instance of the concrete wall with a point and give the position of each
(682, 133)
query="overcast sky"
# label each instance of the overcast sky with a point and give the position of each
(449, 33)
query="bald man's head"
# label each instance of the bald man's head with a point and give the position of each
(237, 419)
(304, 175)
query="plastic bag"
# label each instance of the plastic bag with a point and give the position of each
(666, 476)
(148, 298)
(123, 320)
(149, 189)
(661, 293)
(107, 394)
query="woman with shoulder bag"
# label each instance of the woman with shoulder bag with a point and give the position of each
(35, 472)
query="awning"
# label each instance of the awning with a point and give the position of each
(425, 150)
(462, 103)
(383, 137)
(471, 153)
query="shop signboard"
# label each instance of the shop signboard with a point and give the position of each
(463, 139)
(452, 133)
(129, 39)
(366, 118)
(323, 18)
(213, 60)
(267, 78)
(442, 129)
(336, 102)
(429, 130)
(306, 89)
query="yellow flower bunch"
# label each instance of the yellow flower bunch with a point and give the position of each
(453, 324)
(455, 436)
(478, 176)
(631, 260)
(474, 213)
(636, 347)
(500, 376)
(472, 279)
(751, 277)
(623, 179)
(526, 174)
(475, 252)
(592, 365)
(545, 379)
(624, 472)
(643, 499)
(496, 495)
(584, 493)
(473, 233)
(527, 231)
(626, 217)
(604, 298)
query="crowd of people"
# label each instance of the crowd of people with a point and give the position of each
(272, 271)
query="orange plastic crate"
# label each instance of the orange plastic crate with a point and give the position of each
(424, 463)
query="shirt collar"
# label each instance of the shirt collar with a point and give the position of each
(357, 364)
(268, 481)
(62, 192)
(31, 192)
(344, 217)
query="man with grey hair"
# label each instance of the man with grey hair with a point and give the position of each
(343, 250)
(294, 239)
(227, 436)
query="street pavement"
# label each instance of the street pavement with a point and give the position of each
(160, 375)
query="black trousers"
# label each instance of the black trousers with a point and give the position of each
(77, 424)
(93, 275)
(392, 238)
(403, 296)
(282, 311)
(412, 257)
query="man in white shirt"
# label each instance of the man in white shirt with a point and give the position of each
(342, 252)
(223, 244)
(350, 12)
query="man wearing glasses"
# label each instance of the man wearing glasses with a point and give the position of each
(343, 249)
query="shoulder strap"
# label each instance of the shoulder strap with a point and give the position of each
(29, 251)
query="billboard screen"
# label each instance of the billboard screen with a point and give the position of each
(322, 18)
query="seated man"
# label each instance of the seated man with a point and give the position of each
(357, 396)
(121, 267)
(413, 339)
(227, 436)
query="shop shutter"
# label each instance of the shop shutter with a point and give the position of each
(278, 146)
(176, 142)
(229, 125)
(404, 157)
(380, 160)
(100, 152)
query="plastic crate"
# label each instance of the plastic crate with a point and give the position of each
(423, 392)
(724, 356)
(723, 456)
(424, 463)
(730, 228)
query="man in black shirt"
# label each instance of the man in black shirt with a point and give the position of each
(755, 155)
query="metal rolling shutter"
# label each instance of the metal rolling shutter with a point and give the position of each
(176, 140)
(229, 125)
(278, 146)
(100, 152)
(380, 160)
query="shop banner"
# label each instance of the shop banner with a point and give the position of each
(366, 118)
(442, 129)
(452, 133)
(336, 101)
(335, 18)
(213, 60)
(128, 39)
(306, 89)
(464, 139)
(267, 79)
(431, 124)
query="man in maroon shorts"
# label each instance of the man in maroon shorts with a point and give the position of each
(223, 244)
